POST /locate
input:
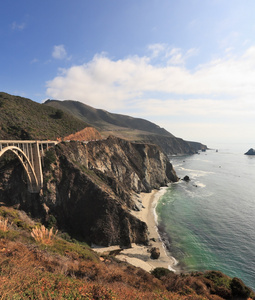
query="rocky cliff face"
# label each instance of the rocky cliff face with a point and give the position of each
(88, 188)
(173, 145)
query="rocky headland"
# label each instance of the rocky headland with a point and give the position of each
(88, 188)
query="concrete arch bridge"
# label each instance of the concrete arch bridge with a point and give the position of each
(30, 154)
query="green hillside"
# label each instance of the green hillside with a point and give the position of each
(117, 124)
(22, 118)
(126, 127)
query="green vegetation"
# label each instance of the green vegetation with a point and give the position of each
(24, 119)
(239, 290)
(49, 158)
(160, 272)
(218, 278)
(116, 124)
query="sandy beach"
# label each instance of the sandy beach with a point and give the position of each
(139, 255)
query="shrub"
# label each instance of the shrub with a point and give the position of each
(43, 235)
(160, 272)
(49, 158)
(58, 114)
(239, 289)
(52, 221)
(218, 278)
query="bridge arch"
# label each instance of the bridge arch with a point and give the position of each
(29, 170)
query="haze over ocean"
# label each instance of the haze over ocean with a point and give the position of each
(210, 219)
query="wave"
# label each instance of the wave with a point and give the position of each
(196, 173)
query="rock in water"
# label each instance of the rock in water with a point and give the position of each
(250, 152)
(186, 178)
(155, 253)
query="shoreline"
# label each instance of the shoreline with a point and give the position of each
(139, 255)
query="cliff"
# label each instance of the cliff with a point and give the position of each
(88, 188)
(173, 145)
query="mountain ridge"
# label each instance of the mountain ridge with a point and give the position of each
(127, 127)
(104, 120)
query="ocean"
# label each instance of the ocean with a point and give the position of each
(210, 219)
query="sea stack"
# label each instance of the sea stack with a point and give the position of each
(250, 152)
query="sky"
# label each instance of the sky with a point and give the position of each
(186, 65)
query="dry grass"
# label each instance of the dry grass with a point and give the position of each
(43, 235)
(64, 270)
(30, 273)
(4, 224)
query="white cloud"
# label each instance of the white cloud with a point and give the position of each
(222, 90)
(171, 55)
(135, 76)
(156, 49)
(18, 26)
(59, 52)
(33, 61)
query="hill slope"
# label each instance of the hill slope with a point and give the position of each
(22, 118)
(126, 127)
(106, 121)
(61, 268)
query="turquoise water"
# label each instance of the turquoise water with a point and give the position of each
(210, 219)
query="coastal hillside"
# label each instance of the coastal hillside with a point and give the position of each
(87, 196)
(22, 118)
(40, 264)
(126, 127)
(106, 121)
(88, 188)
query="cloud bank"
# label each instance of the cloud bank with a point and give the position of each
(160, 87)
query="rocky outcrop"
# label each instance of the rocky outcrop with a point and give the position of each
(186, 178)
(155, 253)
(173, 145)
(250, 152)
(91, 187)
(197, 146)
(88, 188)
(141, 167)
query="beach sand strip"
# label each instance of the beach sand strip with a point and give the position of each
(139, 255)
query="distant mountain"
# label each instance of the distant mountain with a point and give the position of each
(22, 118)
(105, 121)
(122, 126)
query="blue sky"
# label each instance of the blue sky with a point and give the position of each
(187, 65)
